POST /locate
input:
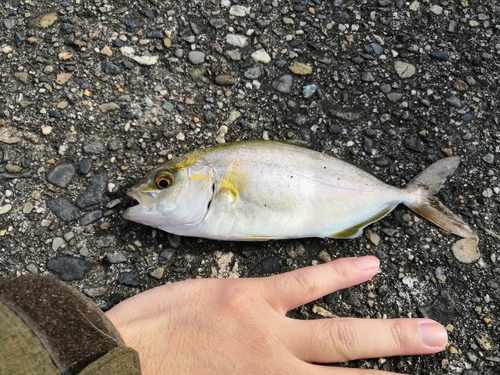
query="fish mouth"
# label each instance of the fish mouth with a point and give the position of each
(139, 203)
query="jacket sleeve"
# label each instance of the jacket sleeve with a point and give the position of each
(47, 327)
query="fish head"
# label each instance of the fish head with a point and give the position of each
(173, 197)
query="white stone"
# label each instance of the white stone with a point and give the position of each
(239, 10)
(237, 40)
(415, 6)
(261, 56)
(6, 208)
(436, 9)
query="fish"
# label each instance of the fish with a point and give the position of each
(263, 190)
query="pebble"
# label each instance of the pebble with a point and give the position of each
(440, 55)
(461, 85)
(466, 250)
(5, 208)
(111, 106)
(94, 192)
(84, 166)
(442, 309)
(115, 258)
(237, 40)
(324, 256)
(167, 106)
(454, 101)
(217, 23)
(385, 88)
(394, 97)
(309, 90)
(373, 237)
(32, 268)
(61, 175)
(404, 69)
(489, 158)
(90, 218)
(142, 60)
(166, 255)
(261, 56)
(129, 279)
(98, 291)
(436, 9)
(295, 249)
(300, 68)
(467, 117)
(94, 147)
(68, 268)
(157, 273)
(267, 266)
(239, 11)
(57, 242)
(283, 84)
(112, 69)
(252, 73)
(196, 57)
(367, 77)
(63, 209)
(225, 80)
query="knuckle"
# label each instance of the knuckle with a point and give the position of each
(303, 282)
(345, 339)
(398, 335)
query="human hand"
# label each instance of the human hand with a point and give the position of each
(238, 326)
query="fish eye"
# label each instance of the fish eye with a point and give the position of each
(163, 180)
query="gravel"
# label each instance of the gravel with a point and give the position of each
(93, 95)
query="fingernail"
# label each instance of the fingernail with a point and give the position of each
(367, 263)
(433, 334)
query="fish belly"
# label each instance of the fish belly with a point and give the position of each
(285, 191)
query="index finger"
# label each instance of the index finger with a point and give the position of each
(296, 288)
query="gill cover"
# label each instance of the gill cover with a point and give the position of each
(185, 203)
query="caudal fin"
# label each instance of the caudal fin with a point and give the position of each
(427, 184)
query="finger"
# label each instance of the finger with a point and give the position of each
(310, 369)
(292, 289)
(346, 339)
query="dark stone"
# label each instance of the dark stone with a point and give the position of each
(299, 8)
(414, 144)
(217, 23)
(90, 218)
(382, 161)
(403, 38)
(492, 284)
(131, 23)
(280, 63)
(67, 28)
(111, 69)
(268, 265)
(54, 114)
(440, 55)
(129, 279)
(118, 43)
(350, 298)
(209, 116)
(166, 256)
(467, 117)
(334, 129)
(368, 145)
(332, 298)
(341, 17)
(68, 268)
(155, 34)
(380, 254)
(300, 120)
(84, 166)
(94, 192)
(376, 48)
(148, 13)
(63, 209)
(61, 175)
(443, 309)
(357, 60)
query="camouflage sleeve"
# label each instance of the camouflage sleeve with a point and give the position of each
(47, 327)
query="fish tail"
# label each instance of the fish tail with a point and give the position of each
(425, 186)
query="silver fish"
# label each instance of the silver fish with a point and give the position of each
(260, 190)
